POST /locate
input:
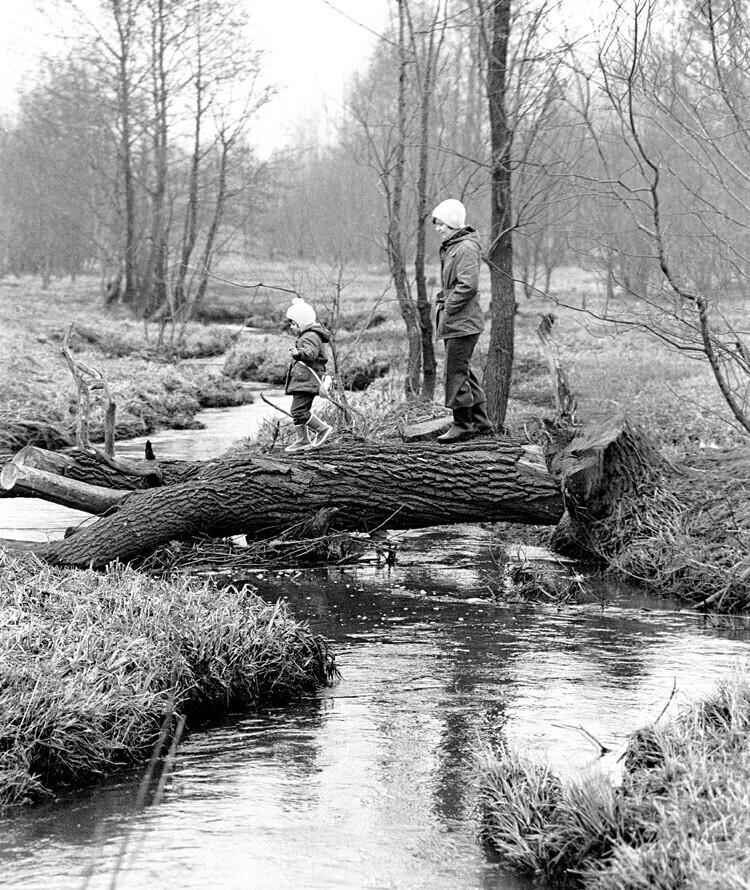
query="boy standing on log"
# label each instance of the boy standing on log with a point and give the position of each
(460, 321)
(306, 370)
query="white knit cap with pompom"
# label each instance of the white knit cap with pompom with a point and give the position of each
(302, 313)
(451, 212)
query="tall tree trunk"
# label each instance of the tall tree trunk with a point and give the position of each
(500, 253)
(190, 230)
(395, 229)
(155, 286)
(221, 196)
(429, 365)
(124, 14)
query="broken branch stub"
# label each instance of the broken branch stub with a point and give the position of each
(89, 379)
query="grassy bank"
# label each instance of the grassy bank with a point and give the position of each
(92, 664)
(690, 537)
(152, 388)
(679, 819)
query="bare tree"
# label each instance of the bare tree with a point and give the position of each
(385, 131)
(393, 182)
(52, 176)
(157, 109)
(679, 108)
(495, 22)
(154, 284)
(432, 35)
(125, 18)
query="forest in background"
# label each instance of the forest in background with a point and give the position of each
(623, 152)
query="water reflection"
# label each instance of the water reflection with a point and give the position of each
(222, 427)
(370, 784)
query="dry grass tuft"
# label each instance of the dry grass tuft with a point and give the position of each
(91, 665)
(690, 537)
(680, 818)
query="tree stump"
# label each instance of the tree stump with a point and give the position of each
(603, 463)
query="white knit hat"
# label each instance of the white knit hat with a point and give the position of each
(302, 313)
(451, 212)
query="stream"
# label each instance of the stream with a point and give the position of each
(371, 783)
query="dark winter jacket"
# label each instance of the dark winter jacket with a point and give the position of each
(458, 311)
(310, 353)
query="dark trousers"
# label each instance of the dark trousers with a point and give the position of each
(462, 389)
(301, 405)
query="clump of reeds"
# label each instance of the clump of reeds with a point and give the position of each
(92, 664)
(689, 540)
(538, 826)
(163, 397)
(679, 819)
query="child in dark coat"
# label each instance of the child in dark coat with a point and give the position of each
(306, 371)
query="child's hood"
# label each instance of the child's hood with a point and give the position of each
(323, 333)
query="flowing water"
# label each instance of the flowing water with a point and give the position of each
(371, 784)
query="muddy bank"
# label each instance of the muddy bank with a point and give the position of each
(153, 384)
(686, 534)
(149, 397)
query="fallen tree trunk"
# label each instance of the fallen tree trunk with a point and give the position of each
(359, 487)
(370, 486)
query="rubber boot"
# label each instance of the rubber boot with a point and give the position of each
(321, 429)
(461, 429)
(481, 421)
(302, 442)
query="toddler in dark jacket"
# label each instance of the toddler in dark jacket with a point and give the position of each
(306, 371)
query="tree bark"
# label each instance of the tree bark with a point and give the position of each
(500, 253)
(372, 486)
(395, 236)
(603, 464)
(565, 401)
(124, 19)
(426, 98)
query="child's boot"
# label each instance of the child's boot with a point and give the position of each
(321, 429)
(302, 442)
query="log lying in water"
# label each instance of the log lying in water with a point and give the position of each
(28, 482)
(94, 469)
(371, 486)
(360, 487)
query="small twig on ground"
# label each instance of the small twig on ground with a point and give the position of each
(273, 405)
(669, 701)
(603, 749)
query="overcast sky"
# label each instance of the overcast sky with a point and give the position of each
(312, 46)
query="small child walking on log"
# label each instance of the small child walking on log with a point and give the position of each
(303, 379)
